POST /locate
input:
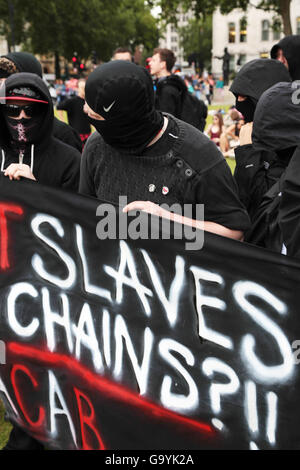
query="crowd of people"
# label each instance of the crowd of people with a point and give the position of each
(140, 135)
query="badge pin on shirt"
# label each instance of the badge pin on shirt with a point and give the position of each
(165, 190)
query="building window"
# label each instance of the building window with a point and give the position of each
(231, 32)
(174, 49)
(174, 39)
(173, 29)
(243, 29)
(265, 28)
(298, 25)
(277, 28)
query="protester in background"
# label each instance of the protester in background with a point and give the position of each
(287, 51)
(220, 89)
(216, 129)
(122, 53)
(230, 138)
(16, 62)
(172, 95)
(169, 87)
(256, 170)
(168, 160)
(77, 118)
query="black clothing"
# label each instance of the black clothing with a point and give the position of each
(66, 134)
(257, 76)
(25, 62)
(54, 163)
(289, 211)
(122, 93)
(77, 118)
(290, 46)
(256, 169)
(277, 119)
(255, 172)
(168, 96)
(277, 128)
(173, 97)
(193, 170)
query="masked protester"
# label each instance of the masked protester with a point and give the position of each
(287, 51)
(27, 146)
(16, 62)
(146, 155)
(256, 170)
(277, 128)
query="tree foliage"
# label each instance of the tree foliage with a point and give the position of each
(196, 40)
(66, 26)
(170, 8)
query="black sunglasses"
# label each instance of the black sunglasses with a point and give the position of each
(14, 110)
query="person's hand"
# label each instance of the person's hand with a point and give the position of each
(16, 171)
(245, 136)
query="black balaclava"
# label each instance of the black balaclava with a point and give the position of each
(253, 80)
(290, 46)
(122, 93)
(247, 108)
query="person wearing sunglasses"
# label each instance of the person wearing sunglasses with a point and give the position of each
(27, 146)
(19, 62)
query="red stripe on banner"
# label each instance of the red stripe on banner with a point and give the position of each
(105, 386)
(4, 208)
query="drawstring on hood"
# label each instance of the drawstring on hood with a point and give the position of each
(122, 93)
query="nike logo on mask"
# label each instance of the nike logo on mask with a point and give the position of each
(109, 107)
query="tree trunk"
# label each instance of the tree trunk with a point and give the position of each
(57, 65)
(284, 7)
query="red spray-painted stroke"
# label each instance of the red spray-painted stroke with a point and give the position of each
(106, 387)
(4, 208)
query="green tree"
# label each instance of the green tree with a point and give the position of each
(203, 7)
(196, 41)
(61, 27)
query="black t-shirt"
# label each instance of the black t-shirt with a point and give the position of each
(76, 116)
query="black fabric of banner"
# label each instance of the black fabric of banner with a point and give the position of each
(122, 344)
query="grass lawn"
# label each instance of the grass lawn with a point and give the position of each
(5, 427)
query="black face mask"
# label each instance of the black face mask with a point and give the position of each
(247, 108)
(122, 93)
(127, 136)
(24, 131)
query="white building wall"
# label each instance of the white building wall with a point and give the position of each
(170, 40)
(254, 47)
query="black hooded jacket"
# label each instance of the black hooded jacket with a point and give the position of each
(54, 163)
(256, 169)
(26, 62)
(277, 128)
(290, 46)
(168, 96)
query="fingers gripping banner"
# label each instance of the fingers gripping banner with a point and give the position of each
(120, 344)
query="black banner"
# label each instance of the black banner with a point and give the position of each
(121, 344)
